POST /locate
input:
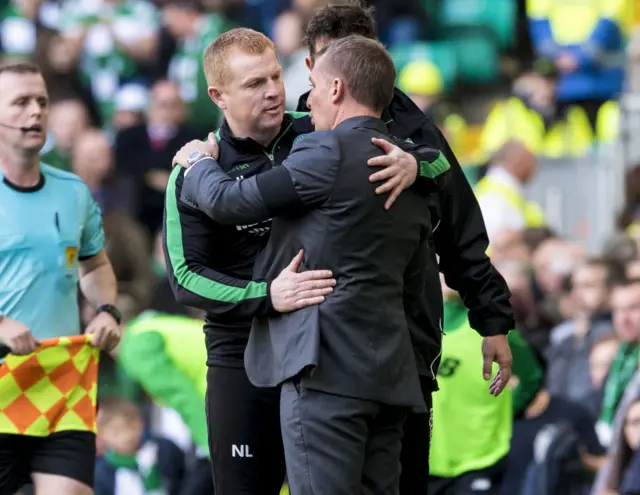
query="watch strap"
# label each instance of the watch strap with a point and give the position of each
(112, 310)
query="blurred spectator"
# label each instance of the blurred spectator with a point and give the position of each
(110, 40)
(624, 476)
(501, 192)
(517, 276)
(130, 103)
(629, 218)
(633, 270)
(572, 341)
(586, 42)
(508, 246)
(134, 461)
(553, 263)
(533, 237)
(621, 249)
(603, 352)
(422, 82)
(28, 29)
(144, 152)
(193, 30)
(287, 36)
(532, 116)
(625, 303)
(162, 298)
(127, 244)
(547, 410)
(68, 119)
(92, 161)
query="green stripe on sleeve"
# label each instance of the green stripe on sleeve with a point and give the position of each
(433, 169)
(191, 281)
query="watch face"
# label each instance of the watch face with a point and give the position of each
(194, 156)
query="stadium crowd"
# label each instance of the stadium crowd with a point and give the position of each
(128, 90)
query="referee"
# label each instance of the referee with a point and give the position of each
(51, 239)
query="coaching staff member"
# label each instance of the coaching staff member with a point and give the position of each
(459, 238)
(347, 365)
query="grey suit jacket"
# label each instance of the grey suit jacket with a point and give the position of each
(356, 343)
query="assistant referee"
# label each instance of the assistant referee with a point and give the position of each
(51, 240)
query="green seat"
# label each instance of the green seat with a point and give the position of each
(478, 58)
(498, 16)
(441, 53)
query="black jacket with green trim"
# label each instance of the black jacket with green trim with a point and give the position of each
(211, 265)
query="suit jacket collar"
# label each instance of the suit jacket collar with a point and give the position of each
(365, 122)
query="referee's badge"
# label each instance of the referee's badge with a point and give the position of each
(71, 254)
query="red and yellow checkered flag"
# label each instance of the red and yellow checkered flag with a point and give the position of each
(53, 389)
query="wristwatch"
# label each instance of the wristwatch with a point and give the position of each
(196, 156)
(112, 310)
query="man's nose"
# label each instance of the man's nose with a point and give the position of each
(34, 108)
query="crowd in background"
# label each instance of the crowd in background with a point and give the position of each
(127, 91)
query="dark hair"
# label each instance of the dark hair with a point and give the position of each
(334, 22)
(623, 282)
(631, 198)
(365, 67)
(19, 68)
(614, 271)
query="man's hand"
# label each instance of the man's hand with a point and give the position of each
(106, 332)
(401, 170)
(17, 337)
(496, 350)
(209, 146)
(292, 290)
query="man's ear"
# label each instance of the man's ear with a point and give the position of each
(337, 90)
(216, 96)
(309, 62)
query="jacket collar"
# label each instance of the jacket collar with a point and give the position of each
(249, 143)
(406, 117)
(366, 122)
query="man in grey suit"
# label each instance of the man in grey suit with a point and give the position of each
(346, 366)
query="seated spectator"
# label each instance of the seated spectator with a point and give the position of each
(629, 218)
(625, 303)
(128, 245)
(624, 477)
(603, 352)
(547, 411)
(129, 104)
(67, 120)
(620, 249)
(572, 341)
(133, 462)
(143, 152)
(553, 262)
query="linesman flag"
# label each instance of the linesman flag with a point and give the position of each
(53, 389)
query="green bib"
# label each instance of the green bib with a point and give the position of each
(471, 428)
(186, 349)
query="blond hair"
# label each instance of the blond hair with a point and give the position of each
(247, 40)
